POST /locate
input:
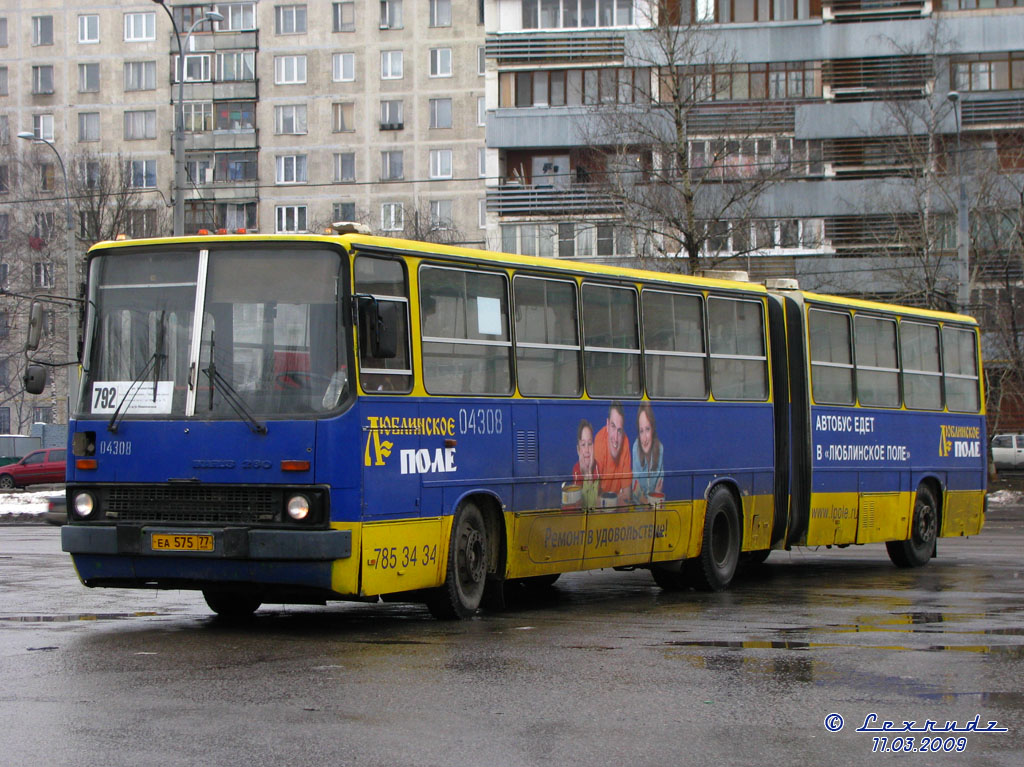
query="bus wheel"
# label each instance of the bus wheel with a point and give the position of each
(231, 604)
(924, 530)
(720, 551)
(466, 575)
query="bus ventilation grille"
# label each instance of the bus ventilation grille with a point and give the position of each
(192, 504)
(526, 446)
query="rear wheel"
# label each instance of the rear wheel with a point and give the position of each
(231, 604)
(924, 529)
(466, 574)
(720, 553)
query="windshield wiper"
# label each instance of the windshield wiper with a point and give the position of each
(229, 394)
(154, 363)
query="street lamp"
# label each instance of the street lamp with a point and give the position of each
(962, 267)
(70, 246)
(179, 130)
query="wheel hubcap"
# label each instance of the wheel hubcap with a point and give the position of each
(471, 558)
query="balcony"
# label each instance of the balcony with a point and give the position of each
(1000, 111)
(518, 200)
(222, 139)
(855, 11)
(878, 78)
(574, 47)
(219, 41)
(233, 90)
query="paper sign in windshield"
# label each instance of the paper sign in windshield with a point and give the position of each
(138, 397)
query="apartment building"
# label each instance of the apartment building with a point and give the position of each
(843, 102)
(295, 115)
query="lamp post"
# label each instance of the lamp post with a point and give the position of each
(963, 292)
(179, 128)
(70, 247)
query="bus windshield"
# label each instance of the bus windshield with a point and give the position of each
(269, 340)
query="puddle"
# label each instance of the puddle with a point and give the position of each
(73, 618)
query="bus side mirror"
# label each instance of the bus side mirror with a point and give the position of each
(35, 379)
(378, 328)
(35, 327)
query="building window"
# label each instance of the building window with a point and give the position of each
(390, 14)
(5, 130)
(481, 111)
(88, 78)
(139, 75)
(481, 213)
(42, 127)
(482, 162)
(291, 169)
(440, 113)
(89, 28)
(42, 274)
(198, 116)
(440, 62)
(440, 13)
(290, 19)
(481, 60)
(42, 414)
(989, 72)
(236, 115)
(143, 174)
(3, 32)
(197, 68)
(290, 119)
(391, 115)
(5, 420)
(237, 16)
(390, 65)
(440, 214)
(5, 183)
(47, 176)
(5, 325)
(290, 218)
(140, 125)
(235, 66)
(440, 163)
(3, 81)
(344, 211)
(42, 80)
(344, 16)
(88, 126)
(43, 226)
(392, 217)
(5, 232)
(139, 27)
(344, 120)
(42, 30)
(289, 70)
(391, 165)
(344, 167)
(344, 69)
(554, 14)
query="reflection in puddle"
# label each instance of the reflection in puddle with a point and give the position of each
(73, 618)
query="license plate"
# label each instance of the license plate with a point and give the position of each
(175, 542)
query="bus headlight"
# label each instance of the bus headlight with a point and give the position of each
(83, 505)
(298, 507)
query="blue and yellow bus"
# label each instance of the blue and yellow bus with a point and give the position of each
(297, 419)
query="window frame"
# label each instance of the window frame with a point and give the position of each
(634, 354)
(517, 279)
(763, 337)
(85, 22)
(650, 352)
(148, 32)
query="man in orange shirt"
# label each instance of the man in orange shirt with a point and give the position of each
(611, 452)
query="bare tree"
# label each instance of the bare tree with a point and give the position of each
(689, 157)
(112, 196)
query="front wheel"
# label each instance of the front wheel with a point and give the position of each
(923, 532)
(231, 604)
(466, 574)
(714, 568)
(6, 482)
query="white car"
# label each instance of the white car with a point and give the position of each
(1008, 451)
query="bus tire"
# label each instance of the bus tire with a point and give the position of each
(466, 574)
(924, 529)
(715, 566)
(231, 604)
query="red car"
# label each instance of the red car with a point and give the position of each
(39, 467)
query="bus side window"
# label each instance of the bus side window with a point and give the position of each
(467, 344)
(878, 372)
(831, 357)
(922, 377)
(547, 338)
(960, 364)
(384, 279)
(739, 360)
(611, 341)
(674, 347)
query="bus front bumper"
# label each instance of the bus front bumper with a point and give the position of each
(227, 543)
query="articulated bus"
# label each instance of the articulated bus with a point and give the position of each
(297, 419)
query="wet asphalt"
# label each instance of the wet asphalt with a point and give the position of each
(602, 669)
